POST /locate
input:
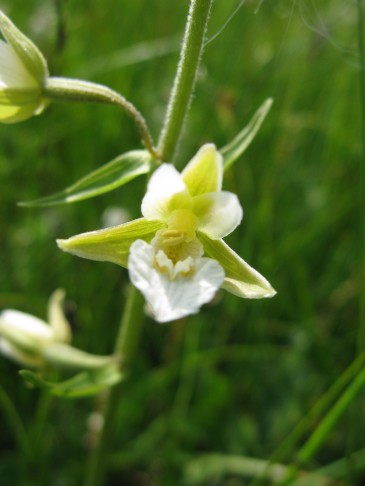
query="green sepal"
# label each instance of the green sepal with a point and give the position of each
(82, 385)
(204, 173)
(57, 319)
(62, 355)
(18, 104)
(27, 51)
(233, 150)
(111, 244)
(110, 176)
(241, 279)
(19, 97)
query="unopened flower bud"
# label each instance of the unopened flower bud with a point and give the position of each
(24, 337)
(23, 73)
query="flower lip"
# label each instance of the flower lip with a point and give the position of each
(170, 299)
(174, 269)
(176, 246)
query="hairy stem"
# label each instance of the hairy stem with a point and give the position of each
(185, 78)
(131, 323)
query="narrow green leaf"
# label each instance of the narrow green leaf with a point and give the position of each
(107, 178)
(81, 385)
(284, 451)
(324, 428)
(233, 150)
(339, 469)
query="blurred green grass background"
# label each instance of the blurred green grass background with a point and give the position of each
(238, 377)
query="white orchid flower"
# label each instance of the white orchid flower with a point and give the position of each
(23, 336)
(23, 73)
(33, 342)
(175, 254)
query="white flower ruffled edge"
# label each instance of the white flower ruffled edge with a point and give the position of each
(172, 299)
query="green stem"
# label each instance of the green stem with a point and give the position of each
(128, 336)
(131, 323)
(65, 89)
(40, 451)
(185, 78)
(324, 428)
(361, 47)
(15, 424)
(318, 409)
(125, 347)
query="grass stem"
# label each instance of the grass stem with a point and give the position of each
(361, 48)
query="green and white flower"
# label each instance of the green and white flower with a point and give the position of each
(175, 254)
(23, 74)
(33, 342)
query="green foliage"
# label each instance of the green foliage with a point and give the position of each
(236, 379)
(110, 176)
(234, 149)
(81, 385)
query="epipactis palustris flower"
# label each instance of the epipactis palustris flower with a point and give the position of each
(175, 254)
(23, 337)
(33, 342)
(23, 73)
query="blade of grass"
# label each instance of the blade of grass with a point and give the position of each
(361, 48)
(316, 440)
(339, 469)
(324, 428)
(15, 423)
(286, 448)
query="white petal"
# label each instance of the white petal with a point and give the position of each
(219, 213)
(26, 324)
(172, 299)
(165, 183)
(13, 74)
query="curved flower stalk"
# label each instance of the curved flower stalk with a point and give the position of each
(26, 87)
(175, 254)
(36, 343)
(23, 73)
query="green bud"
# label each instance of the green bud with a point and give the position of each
(36, 343)
(24, 337)
(23, 73)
